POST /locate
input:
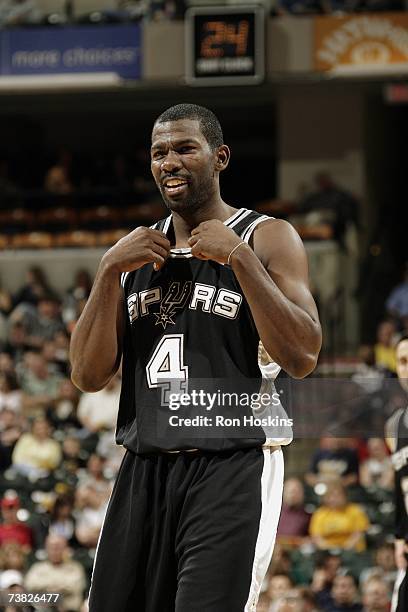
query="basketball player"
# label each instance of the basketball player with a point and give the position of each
(397, 439)
(191, 522)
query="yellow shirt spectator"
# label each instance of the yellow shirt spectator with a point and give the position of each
(338, 524)
(37, 450)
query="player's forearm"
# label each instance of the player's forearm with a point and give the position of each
(94, 349)
(289, 334)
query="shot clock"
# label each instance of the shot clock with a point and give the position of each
(225, 45)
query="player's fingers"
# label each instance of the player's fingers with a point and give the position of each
(157, 260)
(193, 240)
(196, 251)
(196, 230)
(160, 238)
(159, 250)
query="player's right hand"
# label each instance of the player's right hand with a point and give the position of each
(143, 245)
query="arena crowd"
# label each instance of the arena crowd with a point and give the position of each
(58, 461)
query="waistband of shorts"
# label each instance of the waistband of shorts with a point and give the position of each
(197, 450)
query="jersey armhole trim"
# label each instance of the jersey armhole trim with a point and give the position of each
(123, 278)
(247, 233)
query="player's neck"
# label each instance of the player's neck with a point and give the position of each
(183, 223)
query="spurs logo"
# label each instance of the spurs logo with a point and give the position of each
(202, 298)
(175, 299)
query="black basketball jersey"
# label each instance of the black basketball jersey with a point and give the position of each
(188, 328)
(397, 438)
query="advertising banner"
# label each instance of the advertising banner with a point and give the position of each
(359, 41)
(79, 49)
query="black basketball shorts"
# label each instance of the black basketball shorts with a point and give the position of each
(188, 532)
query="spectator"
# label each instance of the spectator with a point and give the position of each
(14, 556)
(367, 374)
(6, 362)
(337, 523)
(11, 396)
(308, 598)
(10, 431)
(294, 520)
(90, 512)
(36, 454)
(5, 306)
(12, 582)
(385, 348)
(376, 470)
(376, 596)
(41, 323)
(263, 603)
(397, 302)
(12, 529)
(63, 413)
(10, 578)
(278, 586)
(71, 449)
(344, 595)
(326, 568)
(58, 574)
(61, 519)
(35, 287)
(288, 602)
(17, 343)
(61, 341)
(40, 384)
(110, 451)
(98, 411)
(384, 568)
(76, 297)
(334, 206)
(333, 461)
(58, 179)
(95, 477)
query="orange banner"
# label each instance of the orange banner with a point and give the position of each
(370, 40)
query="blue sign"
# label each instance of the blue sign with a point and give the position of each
(72, 50)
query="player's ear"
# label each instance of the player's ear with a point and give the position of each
(222, 157)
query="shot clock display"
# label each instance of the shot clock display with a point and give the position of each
(225, 45)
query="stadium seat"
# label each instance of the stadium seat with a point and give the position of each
(77, 238)
(60, 218)
(32, 240)
(4, 241)
(101, 217)
(109, 237)
(16, 220)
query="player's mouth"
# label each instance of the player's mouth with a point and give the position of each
(175, 186)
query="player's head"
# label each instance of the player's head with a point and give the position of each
(187, 155)
(402, 361)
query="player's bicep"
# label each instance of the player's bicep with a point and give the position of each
(282, 252)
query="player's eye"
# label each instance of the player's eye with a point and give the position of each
(186, 149)
(157, 154)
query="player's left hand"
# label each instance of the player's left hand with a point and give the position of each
(213, 240)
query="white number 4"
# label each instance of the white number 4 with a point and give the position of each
(166, 367)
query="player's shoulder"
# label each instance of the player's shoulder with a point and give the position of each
(278, 229)
(275, 237)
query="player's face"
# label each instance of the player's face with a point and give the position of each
(402, 364)
(183, 165)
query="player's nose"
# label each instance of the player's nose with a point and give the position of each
(171, 162)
